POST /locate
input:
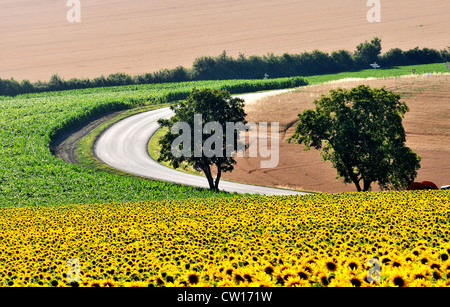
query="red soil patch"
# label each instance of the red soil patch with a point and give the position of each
(427, 125)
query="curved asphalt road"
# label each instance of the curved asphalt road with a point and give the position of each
(124, 146)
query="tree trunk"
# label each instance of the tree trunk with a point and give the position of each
(367, 185)
(354, 178)
(358, 187)
(207, 171)
(219, 173)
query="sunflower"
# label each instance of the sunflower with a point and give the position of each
(442, 283)
(418, 275)
(248, 277)
(296, 282)
(84, 283)
(310, 268)
(446, 265)
(437, 275)
(226, 283)
(424, 259)
(135, 284)
(396, 263)
(353, 265)
(238, 278)
(178, 283)
(323, 279)
(262, 280)
(288, 273)
(385, 260)
(398, 279)
(159, 281)
(339, 281)
(247, 273)
(311, 260)
(435, 265)
(420, 283)
(94, 284)
(269, 269)
(54, 283)
(331, 265)
(302, 274)
(193, 278)
(422, 271)
(108, 283)
(229, 271)
(356, 281)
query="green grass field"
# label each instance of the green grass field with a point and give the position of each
(154, 152)
(381, 73)
(30, 175)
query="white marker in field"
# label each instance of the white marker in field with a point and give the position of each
(74, 14)
(448, 66)
(375, 66)
(374, 14)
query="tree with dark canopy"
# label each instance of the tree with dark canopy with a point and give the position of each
(214, 106)
(360, 132)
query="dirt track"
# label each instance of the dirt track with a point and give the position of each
(427, 125)
(140, 36)
(65, 145)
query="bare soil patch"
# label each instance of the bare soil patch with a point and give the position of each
(140, 36)
(427, 125)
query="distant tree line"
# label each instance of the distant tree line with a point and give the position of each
(224, 67)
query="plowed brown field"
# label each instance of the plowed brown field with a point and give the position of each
(140, 36)
(427, 125)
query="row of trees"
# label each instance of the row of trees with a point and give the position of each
(11, 87)
(312, 63)
(224, 67)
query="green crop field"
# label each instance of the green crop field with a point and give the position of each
(31, 175)
(381, 72)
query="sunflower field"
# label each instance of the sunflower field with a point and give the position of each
(378, 239)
